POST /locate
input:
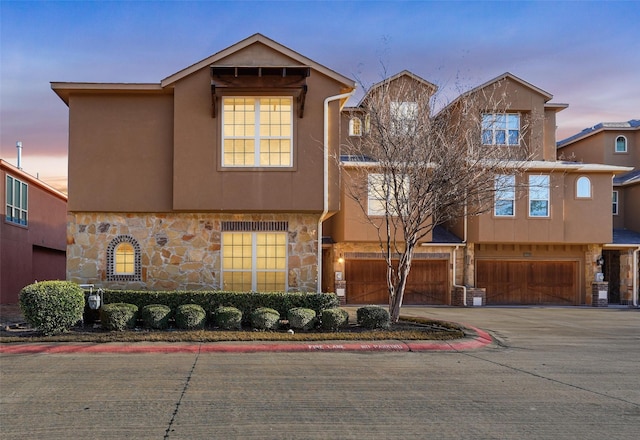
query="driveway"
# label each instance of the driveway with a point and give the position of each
(553, 373)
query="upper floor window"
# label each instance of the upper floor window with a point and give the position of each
(123, 259)
(539, 196)
(257, 132)
(254, 261)
(355, 127)
(404, 116)
(384, 197)
(17, 201)
(621, 144)
(615, 202)
(505, 196)
(500, 129)
(583, 187)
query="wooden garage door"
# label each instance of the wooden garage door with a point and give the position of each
(427, 283)
(528, 282)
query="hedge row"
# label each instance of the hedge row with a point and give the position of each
(246, 302)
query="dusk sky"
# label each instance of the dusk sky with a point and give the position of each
(586, 54)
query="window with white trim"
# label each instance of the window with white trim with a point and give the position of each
(17, 201)
(500, 129)
(257, 132)
(505, 196)
(355, 127)
(615, 202)
(621, 144)
(583, 188)
(539, 196)
(404, 115)
(383, 197)
(254, 261)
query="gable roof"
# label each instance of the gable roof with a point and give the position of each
(510, 76)
(258, 39)
(395, 77)
(632, 124)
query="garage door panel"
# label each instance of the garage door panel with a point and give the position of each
(427, 282)
(528, 282)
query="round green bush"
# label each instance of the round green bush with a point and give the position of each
(118, 316)
(334, 319)
(264, 318)
(373, 317)
(52, 306)
(301, 318)
(156, 316)
(190, 317)
(227, 318)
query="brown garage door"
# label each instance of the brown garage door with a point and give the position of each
(528, 282)
(427, 283)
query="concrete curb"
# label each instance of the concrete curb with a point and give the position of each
(479, 340)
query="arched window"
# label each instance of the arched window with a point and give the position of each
(583, 187)
(621, 144)
(123, 259)
(355, 127)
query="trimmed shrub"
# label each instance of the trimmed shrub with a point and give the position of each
(264, 318)
(190, 317)
(118, 316)
(52, 306)
(246, 302)
(334, 319)
(156, 316)
(227, 318)
(373, 317)
(301, 318)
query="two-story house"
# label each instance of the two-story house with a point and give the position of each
(616, 143)
(217, 177)
(539, 245)
(224, 176)
(32, 232)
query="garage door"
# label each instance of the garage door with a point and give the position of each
(427, 283)
(528, 282)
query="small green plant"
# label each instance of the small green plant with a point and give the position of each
(118, 316)
(227, 318)
(156, 316)
(373, 317)
(264, 318)
(190, 317)
(334, 319)
(301, 318)
(52, 306)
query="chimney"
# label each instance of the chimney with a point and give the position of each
(19, 147)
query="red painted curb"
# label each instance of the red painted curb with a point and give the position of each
(482, 339)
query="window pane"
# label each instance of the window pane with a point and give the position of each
(539, 208)
(500, 137)
(504, 208)
(9, 190)
(513, 137)
(487, 137)
(621, 144)
(124, 259)
(583, 187)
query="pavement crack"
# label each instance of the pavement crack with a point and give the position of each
(184, 391)
(539, 376)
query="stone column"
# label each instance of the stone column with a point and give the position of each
(600, 294)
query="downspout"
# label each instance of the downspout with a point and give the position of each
(464, 242)
(634, 294)
(325, 210)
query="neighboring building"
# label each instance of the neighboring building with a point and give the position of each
(222, 176)
(616, 143)
(32, 232)
(541, 250)
(218, 177)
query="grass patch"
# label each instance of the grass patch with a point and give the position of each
(409, 328)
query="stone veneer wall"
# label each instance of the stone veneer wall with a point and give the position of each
(179, 251)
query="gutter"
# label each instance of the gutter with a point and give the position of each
(325, 209)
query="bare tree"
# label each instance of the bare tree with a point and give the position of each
(419, 170)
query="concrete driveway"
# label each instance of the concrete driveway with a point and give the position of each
(553, 373)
